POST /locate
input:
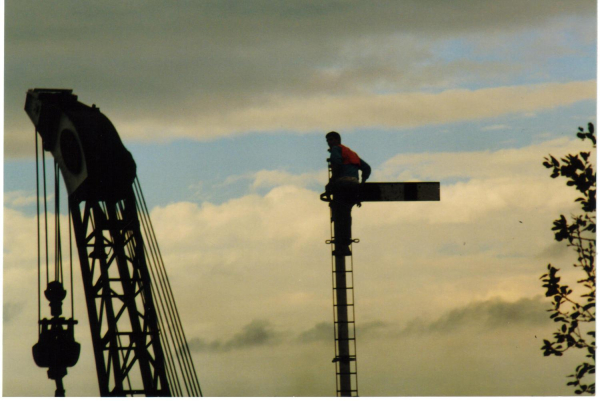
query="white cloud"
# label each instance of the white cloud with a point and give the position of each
(398, 110)
(267, 179)
(204, 70)
(262, 258)
(496, 127)
(20, 198)
(511, 163)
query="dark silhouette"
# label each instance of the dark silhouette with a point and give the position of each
(344, 182)
(56, 349)
(134, 323)
(343, 192)
(576, 319)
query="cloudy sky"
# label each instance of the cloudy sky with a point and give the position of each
(224, 106)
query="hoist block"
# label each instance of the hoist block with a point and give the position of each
(56, 347)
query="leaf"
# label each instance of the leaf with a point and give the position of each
(579, 173)
(583, 370)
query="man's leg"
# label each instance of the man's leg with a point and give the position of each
(341, 208)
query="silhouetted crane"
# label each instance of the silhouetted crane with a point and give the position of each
(138, 340)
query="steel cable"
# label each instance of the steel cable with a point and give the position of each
(162, 311)
(180, 341)
(164, 288)
(58, 271)
(71, 259)
(170, 369)
(37, 197)
(45, 213)
(184, 348)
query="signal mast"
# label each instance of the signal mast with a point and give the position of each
(341, 202)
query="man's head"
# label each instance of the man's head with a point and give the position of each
(333, 138)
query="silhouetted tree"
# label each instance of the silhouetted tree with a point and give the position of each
(575, 309)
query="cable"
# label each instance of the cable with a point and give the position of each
(45, 213)
(69, 219)
(159, 306)
(185, 349)
(181, 345)
(58, 271)
(169, 368)
(37, 197)
(159, 290)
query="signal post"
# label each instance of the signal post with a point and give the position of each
(341, 200)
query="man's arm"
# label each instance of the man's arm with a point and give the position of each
(336, 161)
(365, 170)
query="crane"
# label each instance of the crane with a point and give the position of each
(138, 340)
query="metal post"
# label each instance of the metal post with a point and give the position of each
(343, 308)
(342, 326)
(343, 282)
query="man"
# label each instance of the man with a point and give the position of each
(345, 163)
(344, 186)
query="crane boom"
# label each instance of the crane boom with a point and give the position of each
(128, 334)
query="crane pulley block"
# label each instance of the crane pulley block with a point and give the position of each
(56, 346)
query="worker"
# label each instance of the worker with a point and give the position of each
(345, 188)
(345, 163)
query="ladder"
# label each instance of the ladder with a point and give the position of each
(344, 323)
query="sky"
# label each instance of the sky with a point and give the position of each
(224, 106)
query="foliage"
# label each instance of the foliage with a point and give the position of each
(576, 319)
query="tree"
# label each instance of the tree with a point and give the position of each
(574, 309)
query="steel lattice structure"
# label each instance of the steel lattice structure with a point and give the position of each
(137, 335)
(123, 322)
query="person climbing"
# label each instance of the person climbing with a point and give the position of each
(345, 188)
